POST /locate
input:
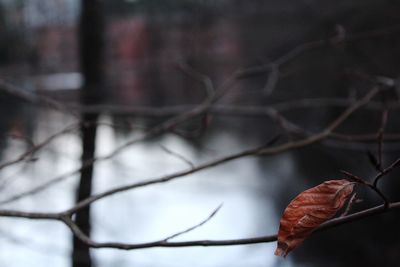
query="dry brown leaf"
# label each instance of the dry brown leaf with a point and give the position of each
(309, 210)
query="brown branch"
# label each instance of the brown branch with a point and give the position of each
(205, 243)
(353, 177)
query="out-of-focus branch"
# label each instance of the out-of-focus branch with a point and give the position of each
(178, 156)
(232, 110)
(205, 107)
(240, 74)
(272, 80)
(312, 45)
(366, 137)
(36, 147)
(34, 98)
(204, 79)
(170, 124)
(166, 126)
(264, 151)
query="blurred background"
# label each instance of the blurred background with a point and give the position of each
(124, 66)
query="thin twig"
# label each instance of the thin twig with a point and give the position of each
(204, 79)
(372, 186)
(272, 80)
(374, 161)
(353, 177)
(25, 139)
(229, 110)
(350, 204)
(37, 147)
(177, 155)
(195, 226)
(380, 139)
(377, 178)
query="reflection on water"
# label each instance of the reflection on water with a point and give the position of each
(145, 214)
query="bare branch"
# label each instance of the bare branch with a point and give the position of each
(350, 204)
(37, 147)
(65, 216)
(177, 155)
(22, 138)
(272, 80)
(231, 110)
(205, 243)
(377, 178)
(195, 226)
(207, 104)
(34, 98)
(366, 137)
(353, 177)
(251, 152)
(372, 186)
(380, 140)
(169, 124)
(204, 79)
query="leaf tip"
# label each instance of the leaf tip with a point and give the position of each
(281, 250)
